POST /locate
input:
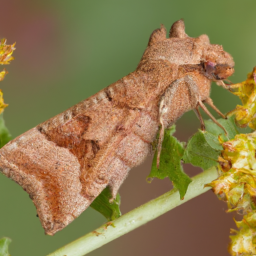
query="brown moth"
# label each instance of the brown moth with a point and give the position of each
(65, 162)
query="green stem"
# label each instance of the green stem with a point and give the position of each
(136, 217)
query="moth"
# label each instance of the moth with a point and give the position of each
(65, 162)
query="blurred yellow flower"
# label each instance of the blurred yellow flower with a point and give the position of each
(2, 74)
(6, 52)
(2, 104)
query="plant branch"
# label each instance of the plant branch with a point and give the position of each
(136, 217)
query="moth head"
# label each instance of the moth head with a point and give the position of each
(217, 64)
(180, 49)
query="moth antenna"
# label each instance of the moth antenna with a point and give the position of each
(178, 29)
(211, 116)
(157, 35)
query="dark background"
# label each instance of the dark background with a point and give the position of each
(69, 50)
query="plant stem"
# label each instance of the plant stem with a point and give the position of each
(136, 217)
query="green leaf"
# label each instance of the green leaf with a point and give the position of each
(5, 135)
(215, 131)
(204, 147)
(199, 153)
(170, 163)
(4, 246)
(109, 210)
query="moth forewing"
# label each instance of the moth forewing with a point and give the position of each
(65, 162)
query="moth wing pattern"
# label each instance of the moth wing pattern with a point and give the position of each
(65, 162)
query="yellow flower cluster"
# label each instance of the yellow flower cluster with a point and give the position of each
(6, 52)
(237, 183)
(237, 186)
(246, 91)
(244, 241)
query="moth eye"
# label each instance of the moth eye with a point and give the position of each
(209, 66)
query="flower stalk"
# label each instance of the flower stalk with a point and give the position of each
(137, 217)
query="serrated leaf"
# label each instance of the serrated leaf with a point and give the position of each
(4, 246)
(228, 124)
(204, 147)
(170, 163)
(199, 153)
(109, 210)
(5, 135)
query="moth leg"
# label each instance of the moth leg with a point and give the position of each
(161, 135)
(196, 96)
(198, 114)
(222, 84)
(210, 103)
(165, 103)
(200, 103)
